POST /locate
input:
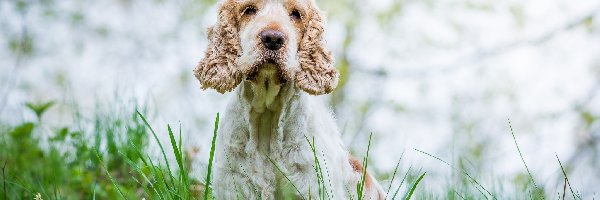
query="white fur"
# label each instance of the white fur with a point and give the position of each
(266, 121)
(253, 130)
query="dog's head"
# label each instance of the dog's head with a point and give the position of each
(251, 35)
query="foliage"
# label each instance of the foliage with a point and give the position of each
(112, 162)
(109, 162)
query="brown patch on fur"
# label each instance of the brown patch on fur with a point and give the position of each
(244, 19)
(299, 24)
(317, 74)
(372, 188)
(273, 26)
(218, 68)
(358, 168)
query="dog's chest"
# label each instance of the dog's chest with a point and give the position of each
(266, 131)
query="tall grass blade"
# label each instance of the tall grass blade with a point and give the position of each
(160, 177)
(414, 186)
(322, 190)
(286, 177)
(360, 188)
(159, 145)
(140, 172)
(178, 157)
(328, 175)
(575, 196)
(459, 170)
(564, 189)
(210, 159)
(4, 179)
(112, 180)
(394, 174)
(180, 141)
(521, 155)
(461, 197)
(401, 182)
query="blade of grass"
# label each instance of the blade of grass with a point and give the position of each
(328, 173)
(361, 187)
(286, 177)
(182, 174)
(521, 155)
(4, 178)
(112, 180)
(159, 145)
(394, 174)
(322, 190)
(43, 189)
(94, 192)
(248, 177)
(25, 188)
(180, 141)
(575, 196)
(461, 197)
(401, 182)
(160, 178)
(140, 172)
(210, 159)
(414, 186)
(564, 189)
(349, 193)
(243, 173)
(460, 170)
(186, 182)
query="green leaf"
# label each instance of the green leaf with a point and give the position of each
(39, 108)
(588, 118)
(61, 135)
(22, 131)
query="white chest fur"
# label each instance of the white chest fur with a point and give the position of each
(266, 105)
(272, 121)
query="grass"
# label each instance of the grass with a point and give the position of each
(360, 187)
(111, 161)
(414, 186)
(321, 183)
(537, 190)
(207, 190)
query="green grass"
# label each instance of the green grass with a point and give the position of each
(111, 161)
(207, 191)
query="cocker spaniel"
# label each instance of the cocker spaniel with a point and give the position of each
(273, 133)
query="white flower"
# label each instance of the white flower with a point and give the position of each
(38, 196)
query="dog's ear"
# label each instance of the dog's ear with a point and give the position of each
(317, 74)
(218, 69)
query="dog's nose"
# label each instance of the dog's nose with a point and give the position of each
(272, 39)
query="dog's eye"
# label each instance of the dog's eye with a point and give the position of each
(295, 14)
(250, 10)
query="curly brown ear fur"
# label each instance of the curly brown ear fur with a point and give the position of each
(317, 74)
(218, 68)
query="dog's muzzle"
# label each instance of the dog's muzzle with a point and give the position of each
(272, 39)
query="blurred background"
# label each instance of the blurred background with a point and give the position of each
(446, 77)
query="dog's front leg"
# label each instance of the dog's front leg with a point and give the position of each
(240, 170)
(252, 178)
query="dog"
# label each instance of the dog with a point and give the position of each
(274, 134)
